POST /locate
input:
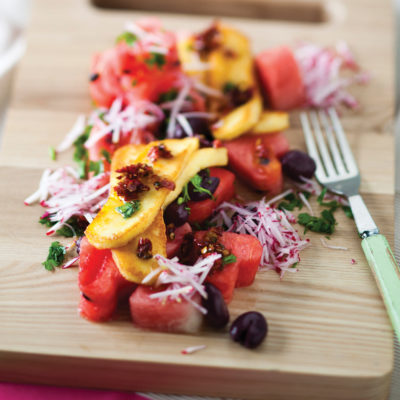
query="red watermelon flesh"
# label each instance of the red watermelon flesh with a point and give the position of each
(201, 210)
(100, 283)
(174, 245)
(164, 315)
(225, 280)
(248, 251)
(280, 78)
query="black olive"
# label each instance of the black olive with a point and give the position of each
(217, 312)
(200, 126)
(209, 183)
(297, 164)
(176, 214)
(249, 329)
(204, 173)
(204, 142)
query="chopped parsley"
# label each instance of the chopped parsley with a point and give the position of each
(129, 208)
(196, 181)
(75, 226)
(81, 154)
(96, 166)
(323, 224)
(171, 95)
(55, 256)
(156, 59)
(71, 230)
(229, 87)
(52, 153)
(204, 226)
(333, 205)
(348, 212)
(128, 37)
(106, 155)
(46, 221)
(291, 202)
(184, 195)
(229, 259)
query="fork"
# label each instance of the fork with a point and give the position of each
(337, 171)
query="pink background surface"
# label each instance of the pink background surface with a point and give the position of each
(10, 391)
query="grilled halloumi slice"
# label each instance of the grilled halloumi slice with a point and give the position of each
(133, 268)
(239, 121)
(270, 122)
(109, 229)
(201, 159)
(190, 59)
(232, 63)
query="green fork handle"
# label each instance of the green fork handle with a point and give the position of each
(387, 275)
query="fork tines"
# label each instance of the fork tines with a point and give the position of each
(328, 145)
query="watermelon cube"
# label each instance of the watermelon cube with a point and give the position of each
(280, 78)
(166, 315)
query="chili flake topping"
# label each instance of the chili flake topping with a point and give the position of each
(192, 248)
(164, 183)
(144, 249)
(208, 40)
(131, 182)
(160, 151)
(236, 96)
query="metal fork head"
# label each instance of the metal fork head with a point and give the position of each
(327, 145)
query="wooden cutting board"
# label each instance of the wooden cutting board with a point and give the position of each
(329, 335)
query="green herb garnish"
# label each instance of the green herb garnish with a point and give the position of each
(323, 224)
(129, 208)
(156, 59)
(171, 95)
(106, 155)
(81, 154)
(229, 259)
(196, 182)
(55, 256)
(333, 205)
(128, 37)
(73, 226)
(292, 201)
(96, 166)
(81, 168)
(348, 212)
(46, 221)
(228, 87)
(184, 198)
(52, 153)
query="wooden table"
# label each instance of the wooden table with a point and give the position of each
(329, 335)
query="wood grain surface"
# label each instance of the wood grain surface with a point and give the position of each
(329, 334)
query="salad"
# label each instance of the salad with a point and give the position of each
(151, 205)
